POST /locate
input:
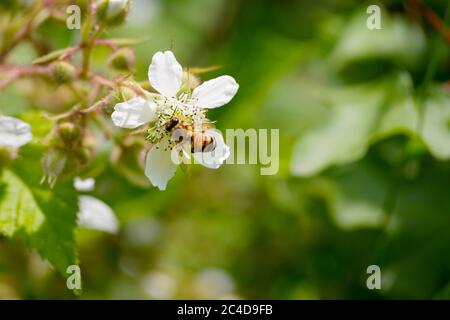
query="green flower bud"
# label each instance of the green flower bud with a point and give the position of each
(122, 60)
(69, 132)
(62, 72)
(112, 12)
(120, 95)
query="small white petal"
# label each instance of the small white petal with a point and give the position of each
(95, 214)
(165, 73)
(14, 132)
(84, 184)
(159, 167)
(216, 92)
(133, 113)
(215, 158)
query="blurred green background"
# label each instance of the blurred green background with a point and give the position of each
(364, 120)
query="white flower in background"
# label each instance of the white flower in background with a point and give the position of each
(213, 283)
(85, 185)
(95, 214)
(14, 132)
(165, 76)
(159, 285)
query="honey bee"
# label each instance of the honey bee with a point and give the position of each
(200, 141)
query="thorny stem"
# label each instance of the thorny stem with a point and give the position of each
(87, 50)
(98, 104)
(16, 72)
(107, 43)
(433, 19)
(87, 41)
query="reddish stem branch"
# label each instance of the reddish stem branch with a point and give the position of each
(107, 43)
(16, 72)
(433, 19)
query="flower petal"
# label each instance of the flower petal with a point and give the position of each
(84, 185)
(95, 214)
(133, 113)
(14, 132)
(165, 73)
(216, 92)
(215, 158)
(159, 167)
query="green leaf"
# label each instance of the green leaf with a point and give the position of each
(436, 124)
(398, 41)
(40, 124)
(444, 294)
(358, 116)
(44, 219)
(400, 115)
(415, 259)
(51, 56)
(332, 142)
(358, 197)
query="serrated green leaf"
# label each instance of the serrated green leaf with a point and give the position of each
(43, 218)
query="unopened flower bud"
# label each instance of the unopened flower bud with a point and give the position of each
(120, 95)
(122, 59)
(112, 12)
(62, 72)
(69, 132)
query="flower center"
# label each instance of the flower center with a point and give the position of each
(181, 108)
